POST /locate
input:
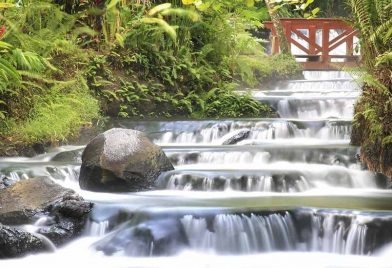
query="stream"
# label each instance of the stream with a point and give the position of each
(292, 194)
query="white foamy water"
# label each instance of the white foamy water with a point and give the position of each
(290, 193)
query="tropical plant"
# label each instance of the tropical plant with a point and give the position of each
(373, 118)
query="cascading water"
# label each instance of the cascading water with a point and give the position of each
(289, 191)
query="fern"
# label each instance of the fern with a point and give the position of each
(27, 60)
(383, 8)
(384, 59)
(383, 32)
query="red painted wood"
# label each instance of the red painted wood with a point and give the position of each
(343, 40)
(313, 26)
(312, 39)
(317, 48)
(325, 42)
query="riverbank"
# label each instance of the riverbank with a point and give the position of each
(372, 128)
(60, 76)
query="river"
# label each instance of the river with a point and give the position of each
(292, 194)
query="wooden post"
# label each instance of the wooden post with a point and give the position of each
(287, 30)
(350, 46)
(312, 39)
(325, 46)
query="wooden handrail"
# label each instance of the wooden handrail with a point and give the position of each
(312, 48)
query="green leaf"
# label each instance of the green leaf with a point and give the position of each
(188, 2)
(112, 4)
(4, 45)
(315, 11)
(158, 9)
(164, 26)
(120, 39)
(249, 3)
(6, 5)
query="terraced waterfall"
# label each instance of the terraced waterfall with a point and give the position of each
(289, 193)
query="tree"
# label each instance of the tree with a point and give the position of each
(284, 44)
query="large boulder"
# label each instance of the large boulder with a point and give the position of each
(121, 160)
(58, 213)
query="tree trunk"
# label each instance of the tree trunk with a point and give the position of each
(284, 45)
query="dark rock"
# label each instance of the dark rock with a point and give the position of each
(121, 160)
(235, 136)
(161, 237)
(74, 156)
(70, 216)
(5, 182)
(38, 148)
(17, 243)
(28, 200)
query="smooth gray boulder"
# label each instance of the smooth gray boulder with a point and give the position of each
(121, 160)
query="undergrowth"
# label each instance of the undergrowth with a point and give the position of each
(62, 65)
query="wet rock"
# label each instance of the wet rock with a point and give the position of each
(74, 156)
(68, 218)
(5, 182)
(21, 201)
(121, 160)
(40, 198)
(17, 243)
(235, 136)
(163, 237)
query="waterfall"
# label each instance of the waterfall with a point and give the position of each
(334, 234)
(241, 234)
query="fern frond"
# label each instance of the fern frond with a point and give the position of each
(382, 32)
(384, 59)
(8, 72)
(27, 60)
(383, 9)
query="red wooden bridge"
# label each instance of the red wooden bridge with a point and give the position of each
(320, 44)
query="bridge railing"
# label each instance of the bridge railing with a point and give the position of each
(318, 43)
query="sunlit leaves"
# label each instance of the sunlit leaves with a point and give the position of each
(217, 5)
(303, 6)
(112, 4)
(158, 9)
(6, 5)
(163, 25)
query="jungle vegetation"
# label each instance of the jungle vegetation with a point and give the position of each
(64, 63)
(373, 118)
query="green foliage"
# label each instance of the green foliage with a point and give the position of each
(254, 69)
(226, 103)
(60, 63)
(60, 114)
(303, 7)
(374, 110)
(40, 100)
